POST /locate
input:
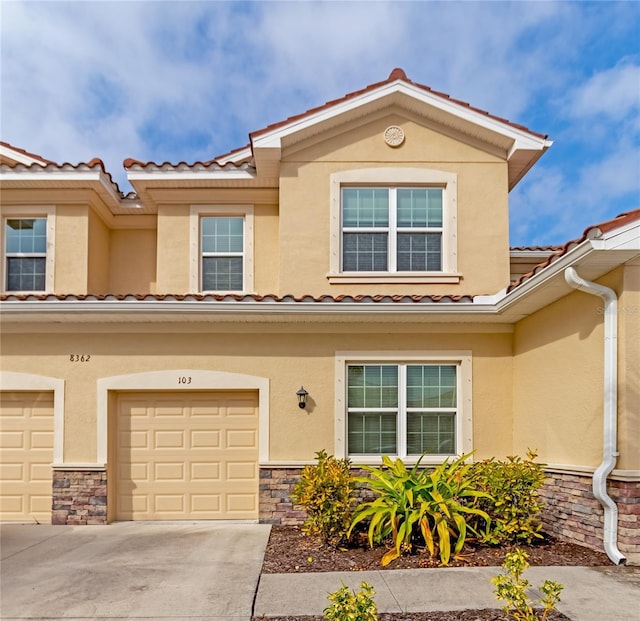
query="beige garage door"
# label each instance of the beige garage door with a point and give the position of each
(26, 453)
(187, 456)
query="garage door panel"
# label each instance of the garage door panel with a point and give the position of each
(26, 454)
(168, 471)
(12, 504)
(240, 503)
(12, 440)
(241, 471)
(41, 440)
(240, 438)
(205, 503)
(205, 439)
(168, 439)
(207, 471)
(203, 457)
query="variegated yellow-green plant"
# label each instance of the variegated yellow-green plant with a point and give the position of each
(433, 502)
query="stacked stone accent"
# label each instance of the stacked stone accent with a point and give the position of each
(79, 497)
(573, 514)
(276, 487)
(276, 506)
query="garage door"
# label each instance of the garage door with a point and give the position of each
(187, 456)
(26, 454)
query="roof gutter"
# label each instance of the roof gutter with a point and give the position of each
(609, 449)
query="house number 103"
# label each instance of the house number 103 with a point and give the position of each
(184, 379)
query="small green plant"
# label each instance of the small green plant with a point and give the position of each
(432, 503)
(326, 490)
(511, 587)
(351, 606)
(512, 501)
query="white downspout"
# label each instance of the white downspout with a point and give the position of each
(609, 448)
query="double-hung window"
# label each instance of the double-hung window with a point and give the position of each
(222, 245)
(25, 246)
(403, 404)
(402, 409)
(393, 225)
(392, 229)
(221, 253)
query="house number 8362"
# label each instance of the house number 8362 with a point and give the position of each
(79, 357)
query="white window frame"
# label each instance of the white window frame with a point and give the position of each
(197, 212)
(464, 418)
(30, 213)
(392, 178)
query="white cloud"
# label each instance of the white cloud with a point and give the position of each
(614, 93)
(189, 80)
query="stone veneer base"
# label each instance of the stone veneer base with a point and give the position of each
(79, 497)
(572, 513)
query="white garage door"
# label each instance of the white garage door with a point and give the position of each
(187, 456)
(26, 454)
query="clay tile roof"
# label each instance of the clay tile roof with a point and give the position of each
(535, 248)
(245, 299)
(395, 75)
(96, 162)
(210, 164)
(32, 155)
(591, 232)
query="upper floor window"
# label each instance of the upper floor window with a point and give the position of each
(393, 225)
(391, 229)
(28, 250)
(222, 253)
(222, 248)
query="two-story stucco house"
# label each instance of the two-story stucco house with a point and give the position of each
(155, 346)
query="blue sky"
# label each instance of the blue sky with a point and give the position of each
(187, 81)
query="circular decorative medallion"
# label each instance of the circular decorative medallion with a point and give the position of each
(394, 136)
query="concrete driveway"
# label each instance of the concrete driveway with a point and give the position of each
(131, 570)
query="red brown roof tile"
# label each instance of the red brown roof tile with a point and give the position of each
(27, 153)
(395, 75)
(591, 232)
(247, 299)
(96, 162)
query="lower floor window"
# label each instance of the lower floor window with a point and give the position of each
(402, 409)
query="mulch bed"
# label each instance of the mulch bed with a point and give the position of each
(291, 551)
(457, 615)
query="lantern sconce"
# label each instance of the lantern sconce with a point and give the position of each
(302, 398)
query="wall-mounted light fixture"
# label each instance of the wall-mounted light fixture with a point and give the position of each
(302, 398)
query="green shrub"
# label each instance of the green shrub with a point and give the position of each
(432, 503)
(326, 490)
(511, 587)
(511, 499)
(351, 606)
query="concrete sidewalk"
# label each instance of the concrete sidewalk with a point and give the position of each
(602, 594)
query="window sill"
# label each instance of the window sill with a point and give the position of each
(401, 278)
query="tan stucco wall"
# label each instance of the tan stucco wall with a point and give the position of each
(482, 219)
(287, 359)
(98, 255)
(558, 382)
(629, 367)
(132, 266)
(172, 269)
(71, 249)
